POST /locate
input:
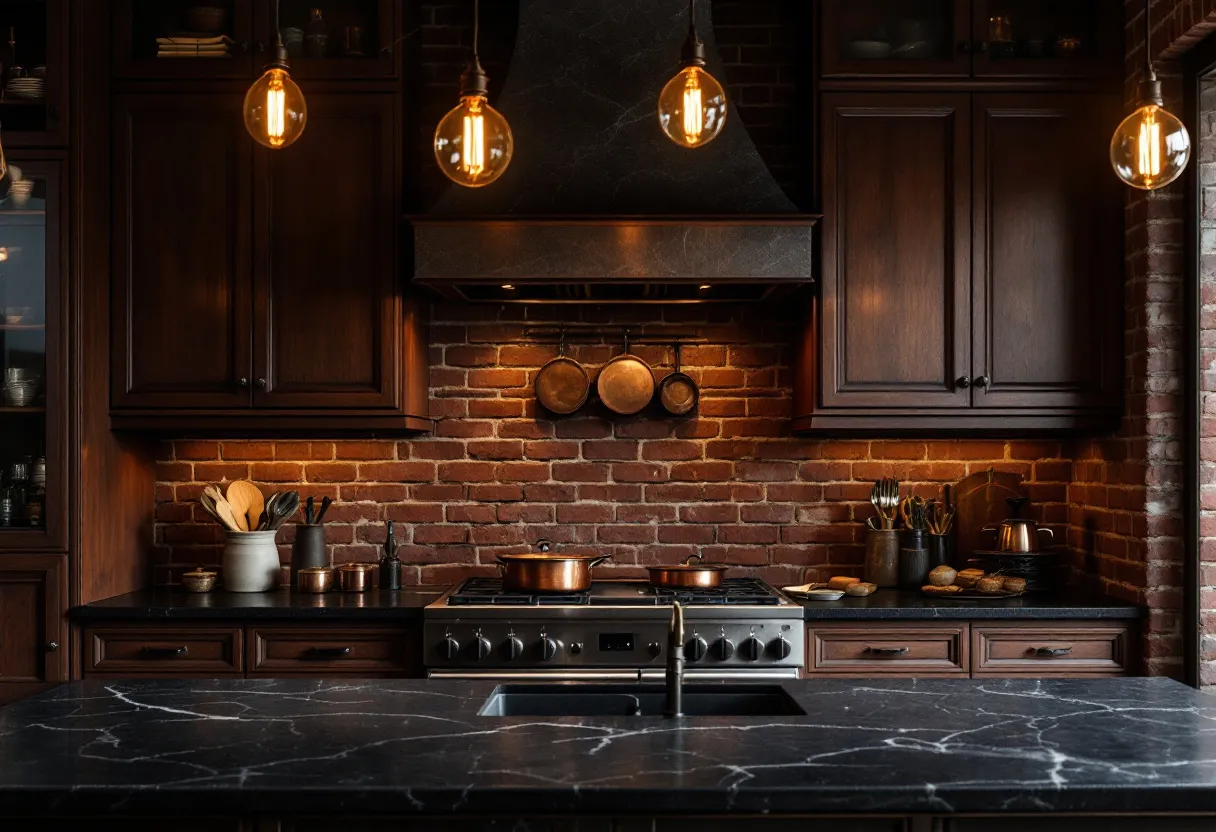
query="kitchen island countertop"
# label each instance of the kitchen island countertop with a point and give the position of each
(353, 748)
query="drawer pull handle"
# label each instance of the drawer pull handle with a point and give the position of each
(327, 652)
(164, 652)
(1051, 652)
(887, 651)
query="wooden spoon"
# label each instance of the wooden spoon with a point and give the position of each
(223, 509)
(247, 501)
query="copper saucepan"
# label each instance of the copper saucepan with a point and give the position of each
(544, 572)
(688, 574)
(625, 384)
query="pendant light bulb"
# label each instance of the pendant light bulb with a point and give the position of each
(473, 142)
(274, 110)
(1151, 147)
(692, 105)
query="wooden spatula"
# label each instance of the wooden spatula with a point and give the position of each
(247, 502)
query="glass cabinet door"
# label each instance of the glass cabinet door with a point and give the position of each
(185, 39)
(33, 82)
(1058, 38)
(339, 38)
(896, 37)
(31, 392)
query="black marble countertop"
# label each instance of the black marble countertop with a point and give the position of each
(911, 605)
(399, 747)
(173, 604)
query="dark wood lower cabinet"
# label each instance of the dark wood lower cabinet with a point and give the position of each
(237, 649)
(982, 649)
(33, 635)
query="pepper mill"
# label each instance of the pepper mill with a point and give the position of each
(390, 566)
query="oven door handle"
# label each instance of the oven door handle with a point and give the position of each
(538, 675)
(776, 674)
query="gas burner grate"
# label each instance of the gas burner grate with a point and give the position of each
(733, 592)
(490, 591)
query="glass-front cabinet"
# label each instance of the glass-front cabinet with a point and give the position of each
(33, 86)
(971, 38)
(232, 38)
(32, 441)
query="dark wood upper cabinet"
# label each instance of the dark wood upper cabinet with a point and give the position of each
(327, 308)
(1047, 252)
(896, 275)
(246, 295)
(972, 39)
(33, 597)
(972, 266)
(182, 232)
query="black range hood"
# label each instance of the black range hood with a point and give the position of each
(598, 205)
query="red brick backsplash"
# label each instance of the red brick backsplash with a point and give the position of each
(497, 475)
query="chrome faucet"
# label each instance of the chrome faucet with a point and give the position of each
(675, 663)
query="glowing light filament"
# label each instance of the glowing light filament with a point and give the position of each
(694, 118)
(473, 142)
(276, 115)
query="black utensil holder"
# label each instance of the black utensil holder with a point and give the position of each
(309, 550)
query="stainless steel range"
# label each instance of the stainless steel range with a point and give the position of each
(616, 630)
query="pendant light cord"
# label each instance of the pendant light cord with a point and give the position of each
(278, 35)
(476, 27)
(1149, 73)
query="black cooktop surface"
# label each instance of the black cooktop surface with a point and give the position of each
(734, 591)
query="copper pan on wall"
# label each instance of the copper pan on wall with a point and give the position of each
(562, 385)
(626, 383)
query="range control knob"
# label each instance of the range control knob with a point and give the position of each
(449, 648)
(484, 648)
(548, 648)
(696, 649)
(780, 648)
(724, 648)
(654, 649)
(752, 648)
(514, 647)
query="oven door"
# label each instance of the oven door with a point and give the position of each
(652, 675)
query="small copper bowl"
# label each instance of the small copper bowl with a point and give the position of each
(315, 579)
(200, 580)
(355, 577)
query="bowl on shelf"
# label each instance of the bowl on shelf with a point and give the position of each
(869, 49)
(205, 20)
(19, 393)
(15, 315)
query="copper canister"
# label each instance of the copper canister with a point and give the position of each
(314, 579)
(355, 577)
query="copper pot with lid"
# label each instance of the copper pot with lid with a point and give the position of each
(545, 572)
(688, 574)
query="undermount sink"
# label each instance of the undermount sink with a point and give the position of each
(637, 700)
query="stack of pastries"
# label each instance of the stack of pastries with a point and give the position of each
(945, 581)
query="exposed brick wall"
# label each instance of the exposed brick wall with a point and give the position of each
(497, 475)
(1207, 451)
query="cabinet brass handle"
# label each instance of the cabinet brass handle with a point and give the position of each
(327, 652)
(983, 381)
(261, 384)
(164, 652)
(242, 383)
(887, 651)
(964, 382)
(52, 647)
(1052, 652)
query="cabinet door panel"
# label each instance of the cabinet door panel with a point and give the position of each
(1048, 253)
(181, 252)
(896, 277)
(327, 304)
(32, 597)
